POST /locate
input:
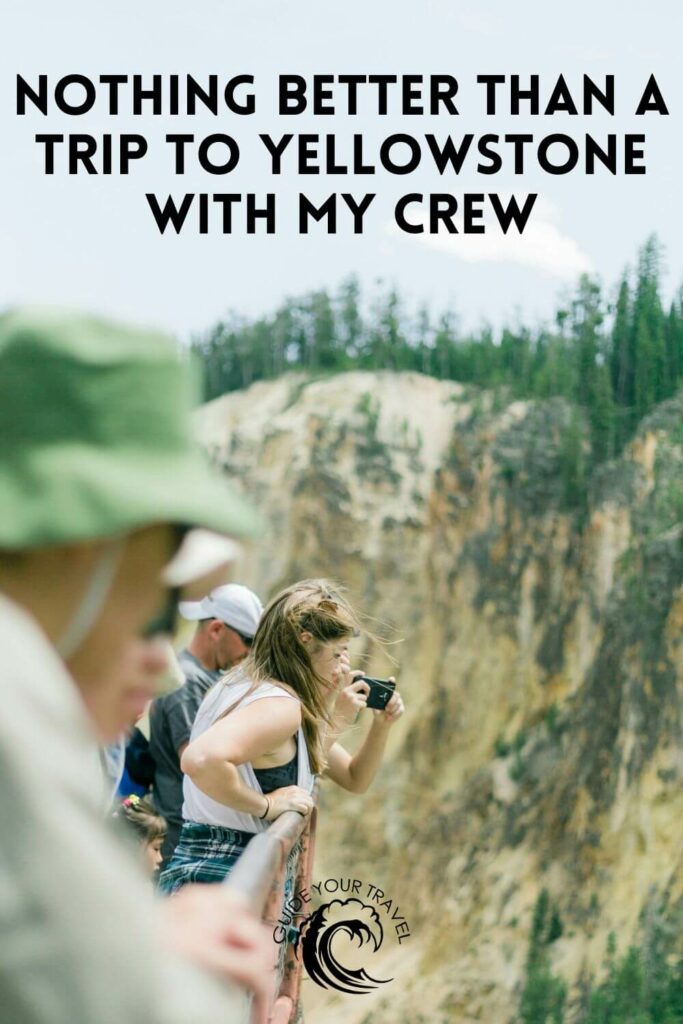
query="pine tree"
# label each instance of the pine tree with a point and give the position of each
(674, 345)
(544, 995)
(621, 363)
(647, 333)
(602, 415)
(423, 339)
(444, 343)
(586, 317)
(322, 327)
(350, 324)
(573, 463)
(282, 330)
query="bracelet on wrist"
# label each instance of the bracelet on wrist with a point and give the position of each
(265, 813)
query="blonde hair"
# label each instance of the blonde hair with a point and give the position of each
(278, 653)
(140, 816)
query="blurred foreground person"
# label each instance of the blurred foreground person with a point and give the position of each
(227, 619)
(144, 662)
(99, 482)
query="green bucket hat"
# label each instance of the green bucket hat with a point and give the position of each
(95, 435)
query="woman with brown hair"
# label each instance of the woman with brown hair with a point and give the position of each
(247, 762)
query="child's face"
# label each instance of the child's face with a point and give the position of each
(152, 854)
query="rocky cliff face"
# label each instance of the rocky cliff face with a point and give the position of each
(540, 613)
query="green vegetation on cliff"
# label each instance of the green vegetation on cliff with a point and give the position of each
(642, 986)
(614, 359)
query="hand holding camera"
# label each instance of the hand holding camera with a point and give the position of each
(379, 695)
(351, 699)
(384, 699)
(393, 709)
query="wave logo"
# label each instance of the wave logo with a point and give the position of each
(340, 930)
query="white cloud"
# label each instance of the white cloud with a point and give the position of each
(479, 22)
(469, 18)
(542, 246)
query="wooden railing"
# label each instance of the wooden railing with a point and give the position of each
(276, 865)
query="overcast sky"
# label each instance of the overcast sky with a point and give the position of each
(90, 241)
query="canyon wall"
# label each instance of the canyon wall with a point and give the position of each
(535, 612)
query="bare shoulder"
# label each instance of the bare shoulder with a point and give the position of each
(277, 688)
(275, 705)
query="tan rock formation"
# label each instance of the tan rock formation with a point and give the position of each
(541, 663)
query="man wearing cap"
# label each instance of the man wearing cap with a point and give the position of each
(227, 619)
(99, 482)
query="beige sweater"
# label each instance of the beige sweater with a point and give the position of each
(78, 919)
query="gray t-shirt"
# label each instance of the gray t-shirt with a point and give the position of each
(170, 721)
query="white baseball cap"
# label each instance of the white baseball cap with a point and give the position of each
(201, 562)
(233, 604)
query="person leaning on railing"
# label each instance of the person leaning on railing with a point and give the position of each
(265, 731)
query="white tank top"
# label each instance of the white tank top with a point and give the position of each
(197, 806)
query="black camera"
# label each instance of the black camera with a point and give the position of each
(381, 692)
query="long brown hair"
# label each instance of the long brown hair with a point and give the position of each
(279, 655)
